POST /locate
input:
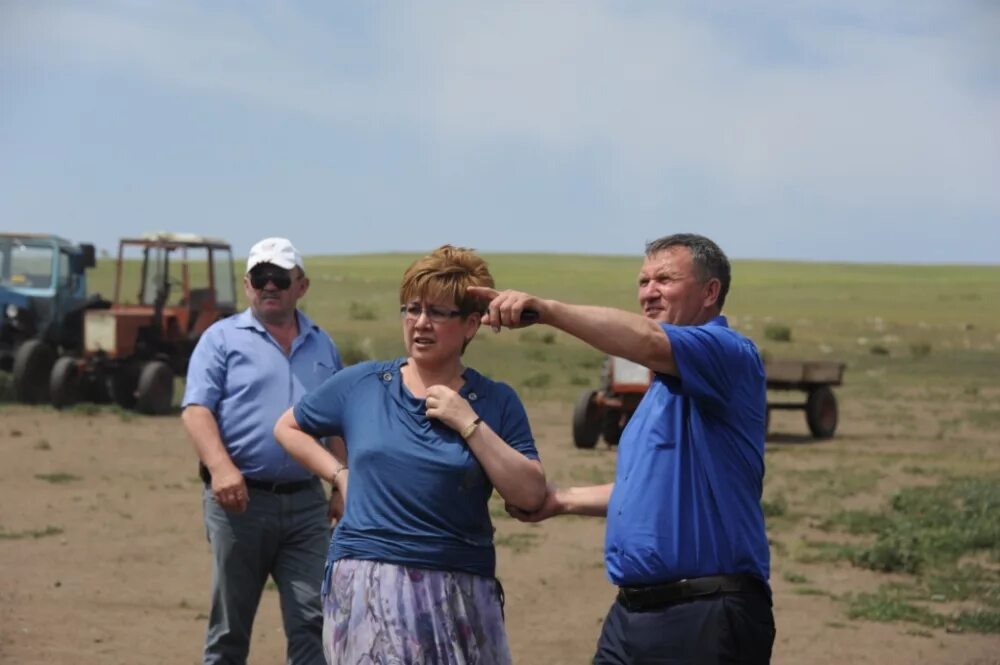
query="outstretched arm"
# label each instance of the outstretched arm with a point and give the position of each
(612, 331)
(592, 501)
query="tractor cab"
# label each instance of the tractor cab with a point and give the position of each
(169, 288)
(43, 293)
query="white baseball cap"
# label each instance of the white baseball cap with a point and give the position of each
(278, 251)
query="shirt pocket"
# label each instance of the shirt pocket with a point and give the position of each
(665, 445)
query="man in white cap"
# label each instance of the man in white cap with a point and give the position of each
(265, 515)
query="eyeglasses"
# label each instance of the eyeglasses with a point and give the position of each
(435, 314)
(282, 279)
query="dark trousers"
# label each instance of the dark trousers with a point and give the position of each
(726, 628)
(284, 536)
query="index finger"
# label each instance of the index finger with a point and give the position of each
(483, 292)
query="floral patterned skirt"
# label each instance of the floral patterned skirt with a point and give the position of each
(382, 614)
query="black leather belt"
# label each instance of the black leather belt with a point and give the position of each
(639, 598)
(277, 487)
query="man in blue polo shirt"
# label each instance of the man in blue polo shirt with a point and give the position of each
(685, 540)
(265, 515)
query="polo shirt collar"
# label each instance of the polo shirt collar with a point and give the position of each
(476, 385)
(246, 319)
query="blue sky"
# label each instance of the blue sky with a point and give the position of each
(852, 130)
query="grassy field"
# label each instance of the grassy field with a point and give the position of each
(910, 495)
(895, 326)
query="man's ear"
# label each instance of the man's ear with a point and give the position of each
(713, 288)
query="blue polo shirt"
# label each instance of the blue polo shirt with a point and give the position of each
(690, 468)
(242, 375)
(417, 496)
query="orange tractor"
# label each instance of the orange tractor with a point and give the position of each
(169, 288)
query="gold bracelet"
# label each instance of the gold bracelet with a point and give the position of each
(470, 428)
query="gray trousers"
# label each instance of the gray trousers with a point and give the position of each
(284, 536)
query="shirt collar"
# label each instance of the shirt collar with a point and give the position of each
(246, 319)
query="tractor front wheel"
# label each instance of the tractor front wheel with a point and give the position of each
(32, 364)
(612, 429)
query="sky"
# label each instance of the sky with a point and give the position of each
(842, 130)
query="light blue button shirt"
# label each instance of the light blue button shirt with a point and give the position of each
(242, 375)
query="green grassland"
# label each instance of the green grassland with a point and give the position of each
(910, 491)
(895, 326)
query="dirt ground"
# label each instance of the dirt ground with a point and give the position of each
(110, 563)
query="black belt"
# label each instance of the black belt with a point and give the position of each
(639, 598)
(279, 487)
(276, 487)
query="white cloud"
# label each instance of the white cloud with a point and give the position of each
(894, 105)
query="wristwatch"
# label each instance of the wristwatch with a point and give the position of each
(470, 428)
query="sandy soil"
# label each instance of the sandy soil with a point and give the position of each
(112, 565)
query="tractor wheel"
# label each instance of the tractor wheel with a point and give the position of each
(64, 383)
(586, 420)
(821, 412)
(612, 427)
(155, 395)
(32, 364)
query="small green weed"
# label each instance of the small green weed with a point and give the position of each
(856, 522)
(885, 606)
(362, 311)
(592, 474)
(778, 332)
(57, 478)
(986, 419)
(536, 355)
(518, 542)
(775, 507)
(539, 380)
(30, 533)
(353, 352)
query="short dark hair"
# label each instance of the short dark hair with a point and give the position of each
(708, 258)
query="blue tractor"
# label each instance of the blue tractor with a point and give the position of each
(43, 294)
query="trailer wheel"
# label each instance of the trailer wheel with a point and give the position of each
(821, 412)
(586, 420)
(612, 429)
(32, 364)
(155, 394)
(64, 383)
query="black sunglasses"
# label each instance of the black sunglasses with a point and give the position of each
(282, 279)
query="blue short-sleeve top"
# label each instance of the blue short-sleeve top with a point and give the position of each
(417, 495)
